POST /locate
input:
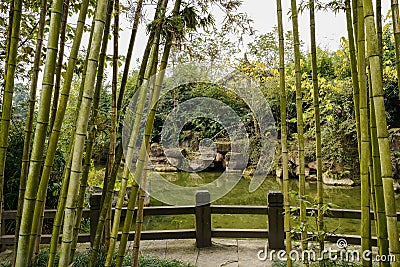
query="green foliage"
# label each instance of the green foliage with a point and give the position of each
(265, 48)
(13, 168)
(13, 164)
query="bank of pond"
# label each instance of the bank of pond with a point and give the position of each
(334, 196)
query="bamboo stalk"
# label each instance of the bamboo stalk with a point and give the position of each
(283, 110)
(24, 252)
(145, 148)
(364, 134)
(114, 118)
(134, 135)
(318, 149)
(300, 130)
(8, 94)
(57, 85)
(29, 120)
(59, 117)
(354, 73)
(80, 133)
(381, 225)
(382, 132)
(92, 133)
(396, 32)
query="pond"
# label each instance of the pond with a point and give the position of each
(338, 197)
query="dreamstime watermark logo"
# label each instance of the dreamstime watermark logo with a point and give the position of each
(342, 253)
(243, 89)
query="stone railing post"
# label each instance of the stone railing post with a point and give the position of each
(203, 219)
(276, 233)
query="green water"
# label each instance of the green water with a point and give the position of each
(339, 197)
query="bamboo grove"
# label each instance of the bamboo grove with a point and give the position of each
(173, 21)
(364, 28)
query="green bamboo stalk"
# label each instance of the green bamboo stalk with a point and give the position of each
(118, 208)
(354, 8)
(59, 118)
(381, 224)
(35, 242)
(364, 134)
(126, 172)
(36, 161)
(8, 94)
(67, 169)
(370, 161)
(382, 132)
(100, 73)
(114, 119)
(300, 131)
(396, 32)
(134, 135)
(145, 148)
(283, 110)
(29, 120)
(55, 234)
(60, 59)
(320, 190)
(9, 31)
(80, 133)
(92, 126)
(354, 72)
(125, 74)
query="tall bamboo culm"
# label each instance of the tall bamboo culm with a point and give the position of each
(318, 148)
(67, 168)
(382, 132)
(24, 251)
(9, 32)
(8, 94)
(145, 148)
(354, 71)
(57, 85)
(364, 134)
(58, 120)
(161, 6)
(128, 164)
(92, 132)
(381, 225)
(114, 119)
(396, 32)
(283, 110)
(80, 133)
(300, 131)
(29, 120)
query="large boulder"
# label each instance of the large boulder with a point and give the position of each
(156, 150)
(329, 178)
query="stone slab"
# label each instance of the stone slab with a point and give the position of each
(222, 253)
